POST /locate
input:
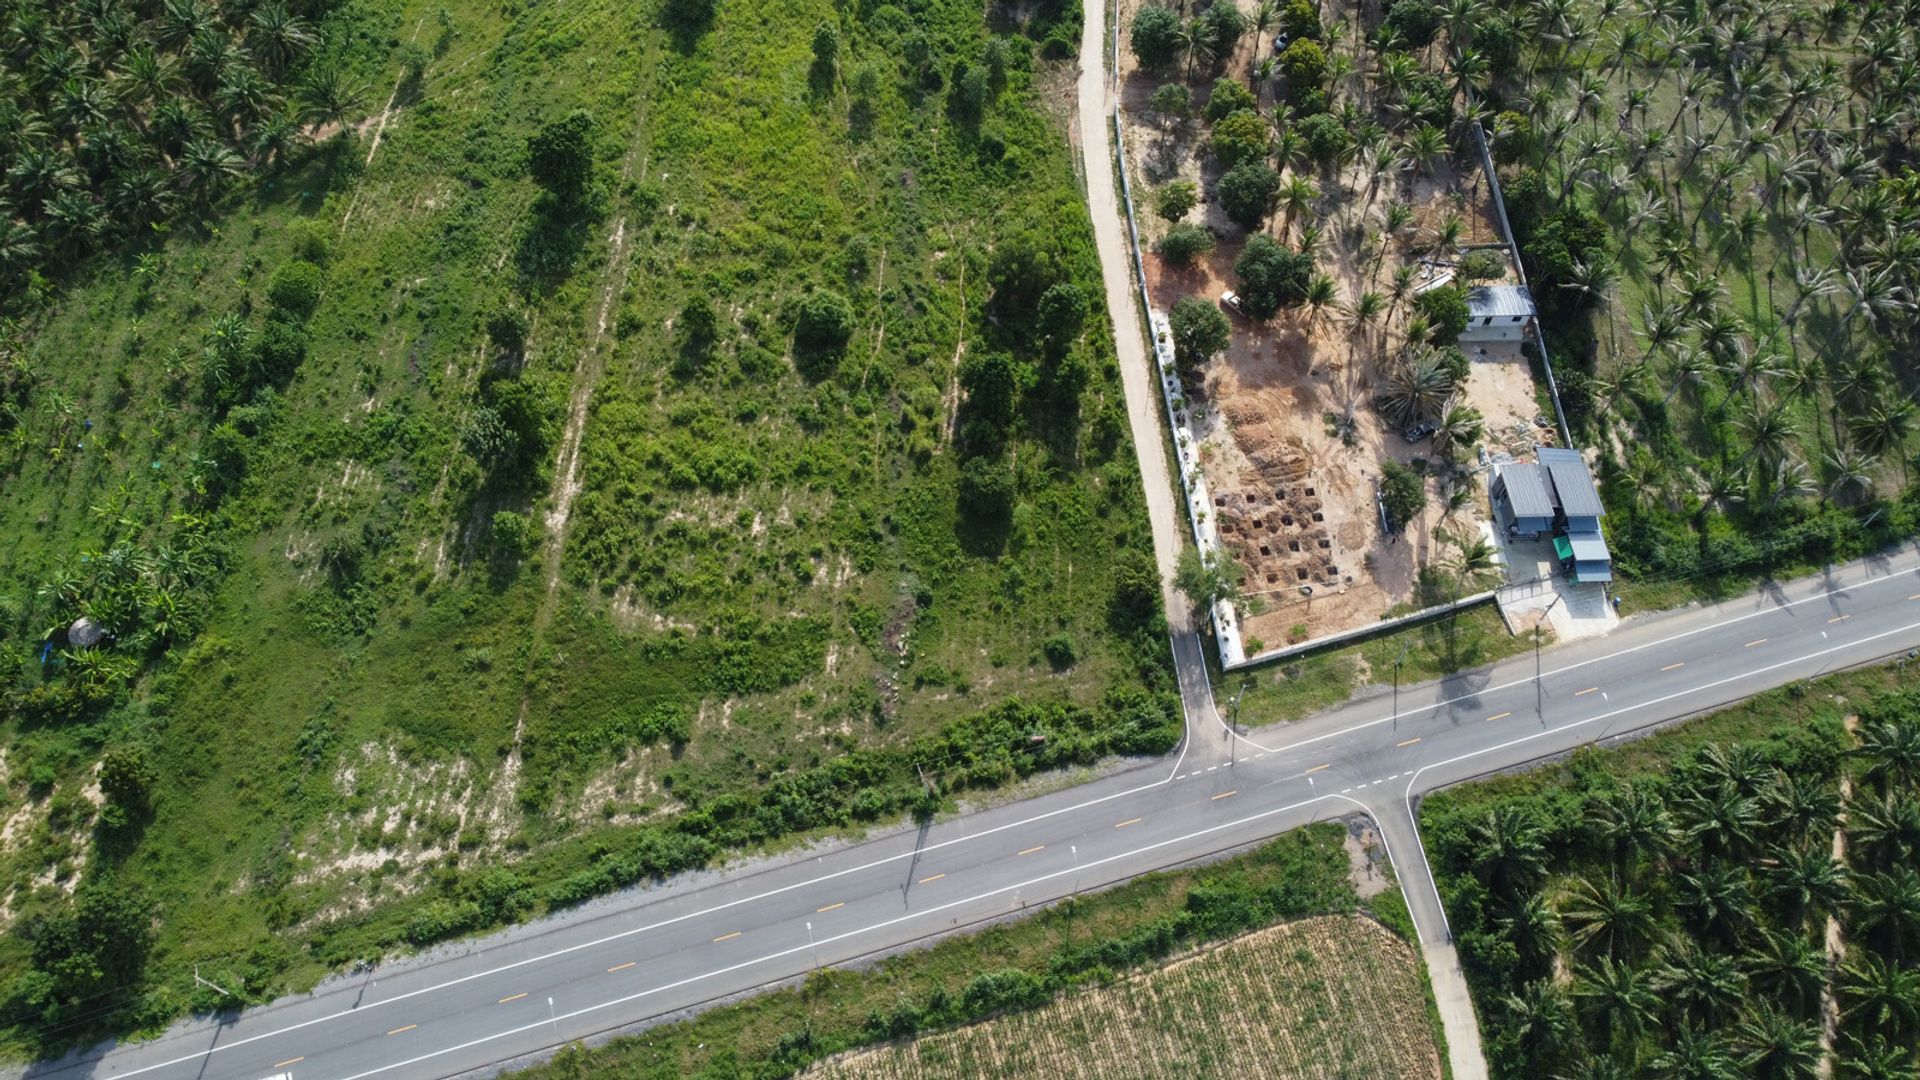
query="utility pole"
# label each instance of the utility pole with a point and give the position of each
(1396, 683)
(1539, 695)
(198, 981)
(1233, 727)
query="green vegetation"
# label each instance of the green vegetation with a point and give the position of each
(1719, 229)
(1016, 966)
(1694, 903)
(634, 436)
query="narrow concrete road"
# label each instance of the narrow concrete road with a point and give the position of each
(1206, 735)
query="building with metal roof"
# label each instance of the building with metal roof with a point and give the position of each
(1555, 495)
(1523, 499)
(1498, 313)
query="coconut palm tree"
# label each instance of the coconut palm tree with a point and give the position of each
(1768, 432)
(1886, 910)
(1633, 823)
(1322, 299)
(1885, 826)
(1540, 1020)
(1716, 899)
(1534, 928)
(1787, 967)
(326, 97)
(1295, 197)
(1807, 882)
(1508, 850)
(1415, 387)
(1874, 1058)
(1696, 1054)
(1457, 427)
(1804, 805)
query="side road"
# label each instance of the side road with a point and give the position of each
(1207, 735)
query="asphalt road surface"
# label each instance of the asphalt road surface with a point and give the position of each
(657, 951)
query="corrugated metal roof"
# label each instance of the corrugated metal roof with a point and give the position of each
(1527, 492)
(1499, 301)
(1588, 547)
(1572, 483)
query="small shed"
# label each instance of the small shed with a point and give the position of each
(1498, 313)
(1523, 500)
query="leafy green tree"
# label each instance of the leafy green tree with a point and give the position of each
(560, 155)
(1326, 139)
(1410, 24)
(1200, 331)
(1246, 193)
(1184, 243)
(127, 776)
(826, 48)
(99, 942)
(1176, 200)
(991, 386)
(1446, 312)
(824, 322)
(1301, 19)
(1228, 97)
(986, 489)
(1062, 315)
(514, 534)
(1224, 25)
(1206, 580)
(1172, 103)
(1402, 493)
(1304, 63)
(1241, 137)
(1156, 36)
(295, 288)
(1271, 276)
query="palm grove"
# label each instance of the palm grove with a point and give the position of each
(1752, 911)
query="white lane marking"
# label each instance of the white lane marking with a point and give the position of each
(1210, 768)
(1576, 665)
(1415, 778)
(798, 949)
(622, 935)
(991, 830)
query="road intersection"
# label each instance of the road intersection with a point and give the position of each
(659, 951)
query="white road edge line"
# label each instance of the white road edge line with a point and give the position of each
(554, 1021)
(1778, 607)
(1415, 778)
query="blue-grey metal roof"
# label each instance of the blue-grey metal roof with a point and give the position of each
(1527, 492)
(1588, 547)
(1499, 301)
(1572, 483)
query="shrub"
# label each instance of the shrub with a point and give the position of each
(986, 488)
(1402, 493)
(311, 240)
(514, 534)
(1482, 265)
(1176, 200)
(1062, 315)
(1301, 19)
(1241, 137)
(1246, 193)
(1271, 276)
(1155, 37)
(126, 778)
(1059, 652)
(295, 288)
(1184, 243)
(1512, 137)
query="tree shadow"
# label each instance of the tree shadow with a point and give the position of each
(552, 242)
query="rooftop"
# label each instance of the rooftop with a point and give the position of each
(1499, 301)
(1572, 482)
(1527, 493)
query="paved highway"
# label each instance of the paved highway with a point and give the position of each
(657, 951)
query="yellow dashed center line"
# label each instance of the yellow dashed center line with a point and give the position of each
(1317, 768)
(935, 877)
(398, 1030)
(1915, 596)
(511, 997)
(1498, 716)
(830, 907)
(1670, 667)
(1224, 794)
(289, 1061)
(1761, 641)
(1839, 618)
(620, 967)
(1129, 821)
(1409, 742)
(1031, 850)
(1587, 691)
(727, 937)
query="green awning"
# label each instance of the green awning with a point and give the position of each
(1562, 548)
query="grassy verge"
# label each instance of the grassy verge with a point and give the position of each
(1016, 965)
